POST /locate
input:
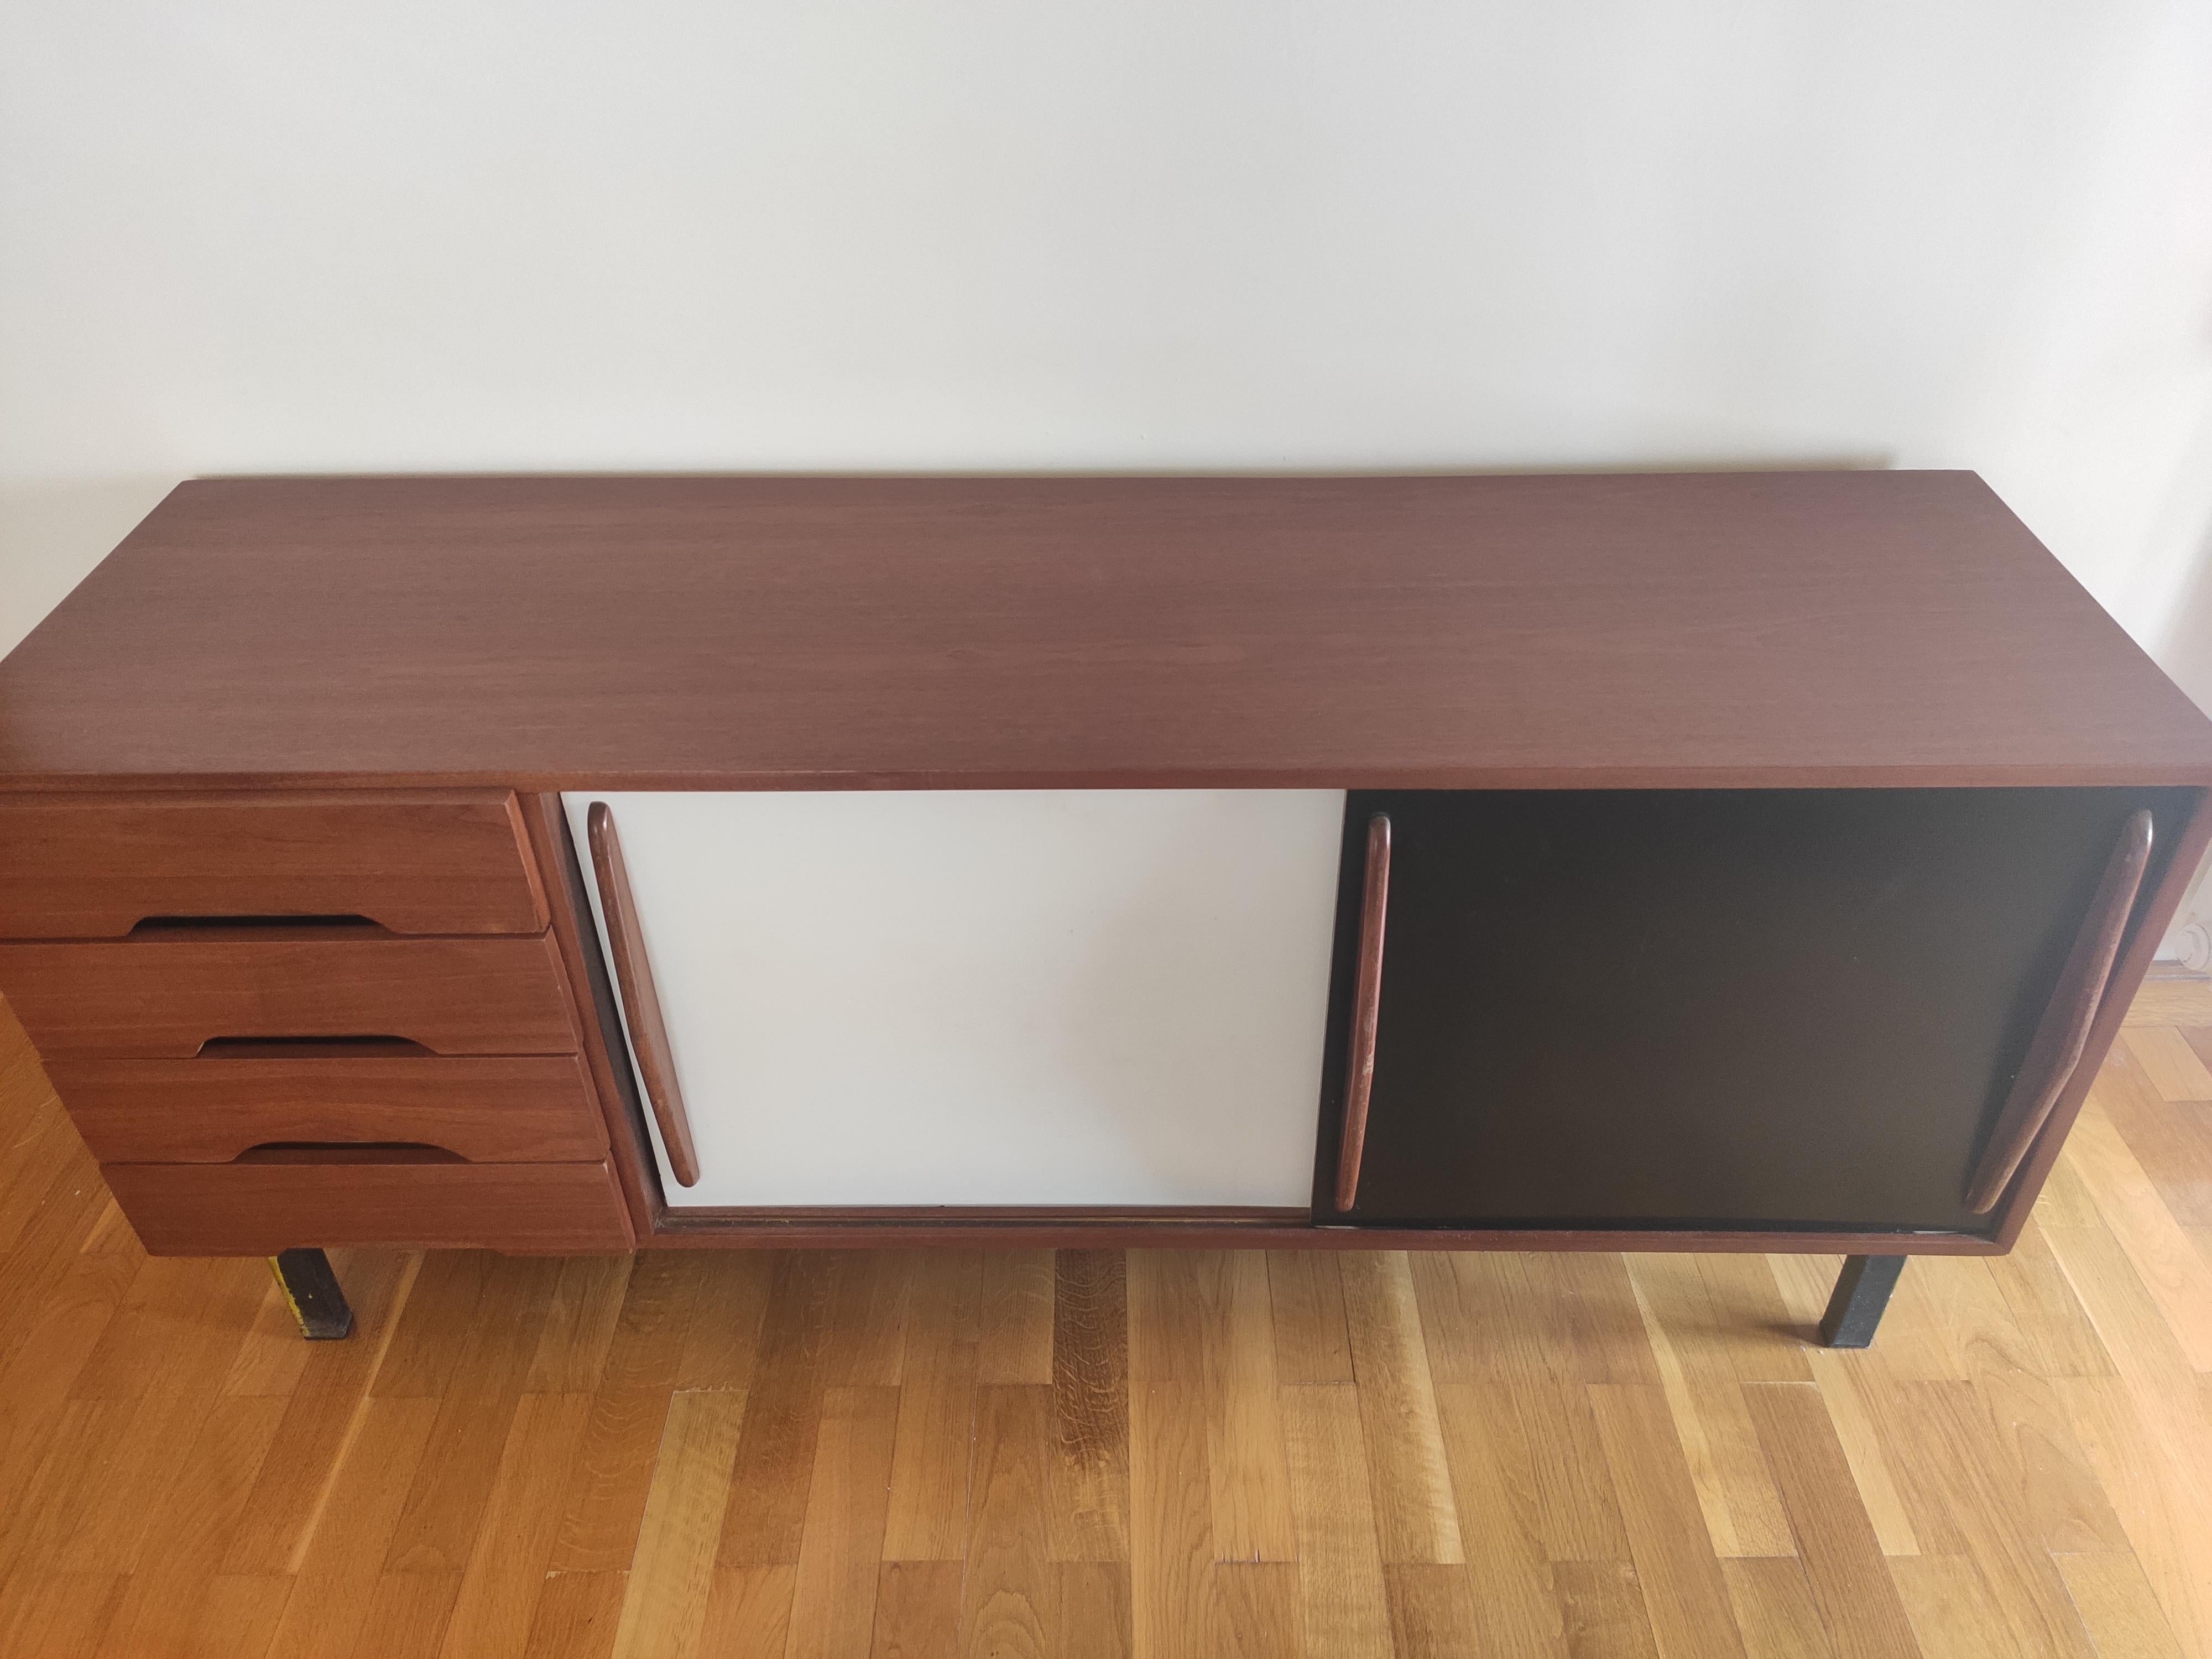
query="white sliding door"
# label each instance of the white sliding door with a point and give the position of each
(1005, 997)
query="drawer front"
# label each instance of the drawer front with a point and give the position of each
(529, 1109)
(168, 996)
(420, 862)
(258, 1209)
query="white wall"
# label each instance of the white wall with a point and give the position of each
(239, 235)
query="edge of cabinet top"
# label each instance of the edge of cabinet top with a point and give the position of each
(1557, 630)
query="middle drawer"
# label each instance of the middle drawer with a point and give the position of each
(505, 1109)
(169, 995)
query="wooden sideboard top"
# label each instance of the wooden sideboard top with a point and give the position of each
(1783, 629)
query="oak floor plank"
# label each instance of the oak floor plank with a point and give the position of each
(1015, 1343)
(2062, 1340)
(1088, 1515)
(664, 1604)
(59, 1615)
(1166, 1298)
(840, 1547)
(864, 1345)
(1555, 1440)
(1736, 1498)
(729, 1304)
(2066, 1507)
(338, 1576)
(576, 1616)
(1344, 1605)
(2165, 999)
(505, 1573)
(1416, 1517)
(1010, 1596)
(1953, 1446)
(437, 1528)
(1844, 1390)
(2160, 1503)
(1844, 1568)
(1173, 1607)
(323, 1418)
(1432, 1611)
(2119, 1607)
(2178, 1277)
(1306, 1295)
(581, 1315)
(1515, 1603)
(2166, 1137)
(1601, 1610)
(917, 1613)
(1256, 1603)
(407, 1613)
(776, 1454)
(191, 1525)
(238, 1616)
(1774, 1610)
(928, 1517)
(1684, 1590)
(608, 1480)
(1246, 1461)
(2173, 1067)
(1954, 1614)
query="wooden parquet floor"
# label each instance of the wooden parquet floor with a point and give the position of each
(1095, 1454)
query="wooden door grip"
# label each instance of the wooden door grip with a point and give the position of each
(1366, 1011)
(2056, 1049)
(648, 1033)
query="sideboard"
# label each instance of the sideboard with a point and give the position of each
(1756, 860)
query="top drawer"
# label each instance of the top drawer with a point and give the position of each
(415, 862)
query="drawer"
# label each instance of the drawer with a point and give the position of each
(415, 861)
(258, 1209)
(167, 994)
(525, 1108)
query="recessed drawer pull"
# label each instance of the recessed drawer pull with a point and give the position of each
(347, 1151)
(1366, 1011)
(2060, 1036)
(648, 1034)
(298, 927)
(309, 1048)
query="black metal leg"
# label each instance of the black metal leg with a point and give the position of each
(1861, 1292)
(312, 1290)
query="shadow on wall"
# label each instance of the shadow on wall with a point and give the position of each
(52, 534)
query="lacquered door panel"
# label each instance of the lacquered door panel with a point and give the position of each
(1104, 999)
(1707, 1008)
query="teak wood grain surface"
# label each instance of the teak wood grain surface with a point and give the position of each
(1821, 628)
(1089, 1455)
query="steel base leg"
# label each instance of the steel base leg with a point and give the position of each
(312, 1290)
(1861, 1292)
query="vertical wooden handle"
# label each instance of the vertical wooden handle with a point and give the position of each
(1366, 1011)
(2056, 1049)
(648, 1033)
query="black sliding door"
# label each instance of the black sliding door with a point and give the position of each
(1696, 1008)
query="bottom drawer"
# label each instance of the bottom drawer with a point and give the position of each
(258, 1209)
